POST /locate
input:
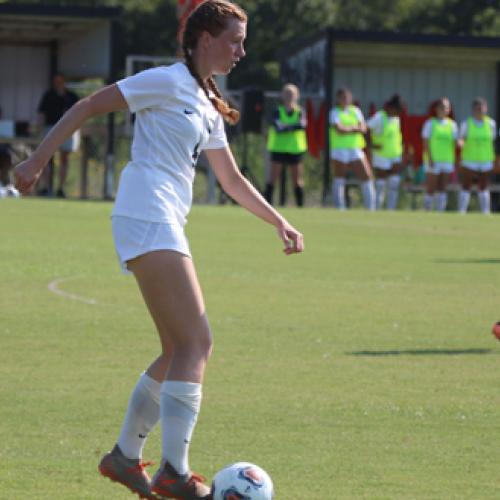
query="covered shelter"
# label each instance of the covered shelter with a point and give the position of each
(37, 41)
(375, 65)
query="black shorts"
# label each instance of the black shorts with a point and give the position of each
(286, 158)
(5, 156)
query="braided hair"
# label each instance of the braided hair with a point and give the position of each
(210, 16)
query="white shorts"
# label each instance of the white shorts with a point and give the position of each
(478, 166)
(384, 163)
(440, 168)
(134, 237)
(347, 155)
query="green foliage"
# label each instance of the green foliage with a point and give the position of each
(149, 26)
(362, 369)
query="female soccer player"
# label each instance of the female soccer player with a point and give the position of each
(387, 147)
(439, 140)
(477, 136)
(287, 143)
(179, 112)
(347, 126)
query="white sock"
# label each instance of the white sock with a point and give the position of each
(179, 408)
(368, 190)
(484, 201)
(143, 413)
(463, 201)
(428, 198)
(392, 198)
(380, 185)
(442, 200)
(338, 193)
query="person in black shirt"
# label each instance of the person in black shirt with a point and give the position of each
(54, 103)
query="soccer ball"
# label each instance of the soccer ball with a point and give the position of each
(242, 481)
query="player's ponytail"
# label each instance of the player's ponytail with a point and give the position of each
(210, 16)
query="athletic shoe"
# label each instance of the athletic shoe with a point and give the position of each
(11, 191)
(167, 483)
(129, 472)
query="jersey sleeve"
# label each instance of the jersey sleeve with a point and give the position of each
(218, 139)
(375, 123)
(359, 114)
(427, 129)
(493, 125)
(148, 88)
(334, 117)
(454, 129)
(463, 130)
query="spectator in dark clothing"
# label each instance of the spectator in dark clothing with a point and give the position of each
(54, 103)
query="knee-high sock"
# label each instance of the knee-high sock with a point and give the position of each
(179, 407)
(442, 200)
(428, 198)
(299, 196)
(268, 193)
(380, 185)
(143, 413)
(484, 201)
(368, 190)
(463, 201)
(392, 198)
(338, 192)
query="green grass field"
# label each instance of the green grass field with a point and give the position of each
(362, 369)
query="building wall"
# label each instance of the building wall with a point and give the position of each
(24, 78)
(418, 86)
(419, 73)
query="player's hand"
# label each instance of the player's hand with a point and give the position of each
(293, 240)
(26, 174)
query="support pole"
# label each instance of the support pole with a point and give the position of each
(328, 91)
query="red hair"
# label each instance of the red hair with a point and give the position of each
(211, 16)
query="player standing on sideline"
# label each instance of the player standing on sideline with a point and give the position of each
(347, 126)
(439, 140)
(287, 142)
(179, 112)
(477, 136)
(387, 150)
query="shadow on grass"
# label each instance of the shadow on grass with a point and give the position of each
(467, 261)
(422, 352)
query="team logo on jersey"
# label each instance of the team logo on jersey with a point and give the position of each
(188, 111)
(252, 476)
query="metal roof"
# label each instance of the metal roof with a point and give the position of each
(396, 37)
(29, 24)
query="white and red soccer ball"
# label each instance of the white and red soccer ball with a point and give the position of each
(242, 481)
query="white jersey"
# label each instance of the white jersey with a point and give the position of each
(463, 128)
(335, 115)
(427, 128)
(174, 122)
(376, 122)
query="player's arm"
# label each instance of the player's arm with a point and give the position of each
(238, 188)
(106, 100)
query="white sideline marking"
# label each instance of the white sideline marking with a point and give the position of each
(53, 286)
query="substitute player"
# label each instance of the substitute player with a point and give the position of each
(347, 126)
(439, 136)
(287, 143)
(387, 150)
(477, 135)
(179, 112)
